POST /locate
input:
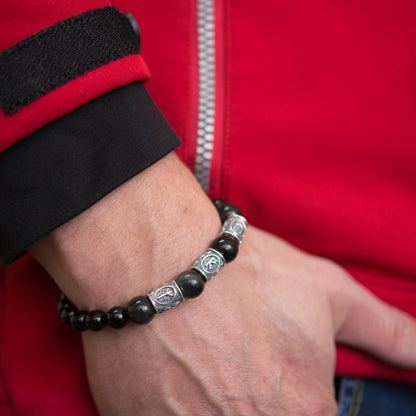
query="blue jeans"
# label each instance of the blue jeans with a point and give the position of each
(365, 397)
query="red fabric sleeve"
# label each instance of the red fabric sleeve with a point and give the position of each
(21, 19)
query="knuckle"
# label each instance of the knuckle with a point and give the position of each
(332, 268)
(331, 274)
(402, 331)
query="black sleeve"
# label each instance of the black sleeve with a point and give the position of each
(68, 165)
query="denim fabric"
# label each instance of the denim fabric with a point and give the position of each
(365, 397)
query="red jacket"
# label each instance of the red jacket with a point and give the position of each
(307, 123)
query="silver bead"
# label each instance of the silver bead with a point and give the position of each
(209, 264)
(235, 225)
(166, 297)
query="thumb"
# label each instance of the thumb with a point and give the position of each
(372, 325)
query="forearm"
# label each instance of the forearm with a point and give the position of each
(157, 223)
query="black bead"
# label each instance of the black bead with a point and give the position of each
(191, 283)
(64, 302)
(227, 246)
(219, 203)
(79, 320)
(66, 315)
(228, 209)
(61, 306)
(140, 310)
(96, 320)
(64, 298)
(117, 317)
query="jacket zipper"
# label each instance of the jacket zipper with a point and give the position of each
(206, 92)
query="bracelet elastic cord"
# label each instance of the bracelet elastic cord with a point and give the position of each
(188, 284)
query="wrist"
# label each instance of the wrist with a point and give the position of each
(140, 236)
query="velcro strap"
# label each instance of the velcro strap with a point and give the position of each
(61, 53)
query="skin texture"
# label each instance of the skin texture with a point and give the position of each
(260, 340)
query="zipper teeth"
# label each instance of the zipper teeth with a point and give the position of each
(206, 94)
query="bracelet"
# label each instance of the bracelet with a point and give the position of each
(188, 284)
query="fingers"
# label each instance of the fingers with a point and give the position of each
(376, 327)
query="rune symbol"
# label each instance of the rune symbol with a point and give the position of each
(164, 295)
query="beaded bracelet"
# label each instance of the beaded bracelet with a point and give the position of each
(188, 284)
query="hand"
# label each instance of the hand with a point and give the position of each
(258, 341)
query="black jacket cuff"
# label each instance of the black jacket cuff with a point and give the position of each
(68, 165)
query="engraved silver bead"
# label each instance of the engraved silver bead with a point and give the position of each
(166, 297)
(209, 264)
(235, 225)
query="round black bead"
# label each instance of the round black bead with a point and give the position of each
(227, 246)
(61, 306)
(64, 302)
(117, 317)
(219, 203)
(96, 320)
(228, 209)
(64, 298)
(79, 320)
(140, 310)
(66, 315)
(191, 283)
